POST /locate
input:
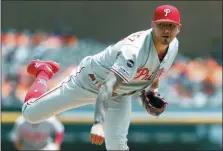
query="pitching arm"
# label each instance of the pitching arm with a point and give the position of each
(105, 93)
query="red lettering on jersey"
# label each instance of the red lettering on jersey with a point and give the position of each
(147, 77)
(160, 72)
(143, 74)
(34, 135)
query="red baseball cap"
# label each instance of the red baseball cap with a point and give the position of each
(167, 13)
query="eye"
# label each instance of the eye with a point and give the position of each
(172, 26)
(167, 25)
(161, 25)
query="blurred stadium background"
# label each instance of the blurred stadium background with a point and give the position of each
(68, 31)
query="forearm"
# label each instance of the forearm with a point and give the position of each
(104, 95)
(100, 107)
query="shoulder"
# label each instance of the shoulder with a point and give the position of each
(142, 32)
(130, 45)
(137, 39)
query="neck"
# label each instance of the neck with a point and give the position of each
(160, 48)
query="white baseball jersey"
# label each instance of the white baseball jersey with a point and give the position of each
(135, 60)
(35, 136)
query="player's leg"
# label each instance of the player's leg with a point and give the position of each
(43, 71)
(65, 96)
(117, 122)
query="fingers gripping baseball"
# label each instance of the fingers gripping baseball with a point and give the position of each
(97, 134)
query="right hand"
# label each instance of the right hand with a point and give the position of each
(97, 134)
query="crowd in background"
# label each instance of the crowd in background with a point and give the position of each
(189, 83)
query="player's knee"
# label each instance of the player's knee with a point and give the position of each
(116, 144)
(28, 114)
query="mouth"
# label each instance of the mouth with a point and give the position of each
(165, 36)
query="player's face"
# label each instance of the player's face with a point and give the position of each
(165, 32)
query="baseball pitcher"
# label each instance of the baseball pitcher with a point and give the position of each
(131, 66)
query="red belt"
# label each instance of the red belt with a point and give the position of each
(97, 83)
(93, 79)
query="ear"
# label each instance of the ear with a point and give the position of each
(178, 29)
(152, 24)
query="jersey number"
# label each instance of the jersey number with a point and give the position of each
(133, 37)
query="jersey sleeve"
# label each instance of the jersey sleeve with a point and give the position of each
(125, 64)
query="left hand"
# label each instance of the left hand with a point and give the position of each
(97, 134)
(153, 103)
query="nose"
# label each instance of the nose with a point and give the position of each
(166, 31)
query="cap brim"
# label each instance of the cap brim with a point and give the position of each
(166, 20)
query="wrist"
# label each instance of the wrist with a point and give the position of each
(154, 90)
(98, 122)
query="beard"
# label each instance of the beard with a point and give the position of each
(165, 41)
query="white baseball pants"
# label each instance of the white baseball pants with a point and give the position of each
(75, 91)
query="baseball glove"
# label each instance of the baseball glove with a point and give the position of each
(153, 102)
